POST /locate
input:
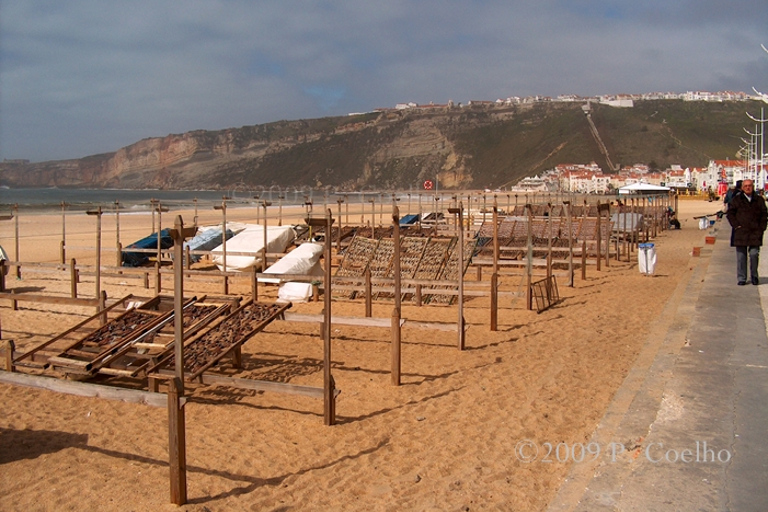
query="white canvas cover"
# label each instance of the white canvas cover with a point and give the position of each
(294, 292)
(251, 239)
(305, 259)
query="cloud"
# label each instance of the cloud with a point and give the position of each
(83, 77)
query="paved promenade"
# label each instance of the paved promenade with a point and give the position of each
(688, 429)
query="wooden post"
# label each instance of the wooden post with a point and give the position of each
(254, 285)
(9, 348)
(494, 320)
(460, 275)
(569, 223)
(338, 241)
(178, 300)
(418, 297)
(103, 306)
(549, 241)
(599, 249)
(223, 208)
(158, 280)
(118, 245)
(97, 213)
(264, 265)
(529, 261)
(396, 311)
(368, 289)
(583, 260)
(329, 386)
(73, 278)
(3, 272)
(606, 207)
(177, 445)
(63, 245)
(16, 238)
(646, 224)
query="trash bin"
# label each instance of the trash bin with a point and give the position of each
(646, 258)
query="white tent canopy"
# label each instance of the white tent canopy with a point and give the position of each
(642, 188)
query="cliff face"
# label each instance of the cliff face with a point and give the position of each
(461, 147)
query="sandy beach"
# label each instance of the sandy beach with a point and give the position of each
(447, 439)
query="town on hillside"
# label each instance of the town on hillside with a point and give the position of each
(590, 179)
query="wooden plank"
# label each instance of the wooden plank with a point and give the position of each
(84, 389)
(369, 322)
(339, 320)
(48, 299)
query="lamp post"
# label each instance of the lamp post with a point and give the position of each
(760, 171)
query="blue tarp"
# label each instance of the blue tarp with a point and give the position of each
(205, 241)
(136, 259)
(406, 220)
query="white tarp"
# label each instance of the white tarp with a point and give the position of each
(251, 239)
(294, 292)
(304, 260)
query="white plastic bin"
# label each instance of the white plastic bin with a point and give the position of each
(646, 258)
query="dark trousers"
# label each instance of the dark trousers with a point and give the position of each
(752, 253)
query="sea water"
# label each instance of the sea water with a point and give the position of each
(46, 200)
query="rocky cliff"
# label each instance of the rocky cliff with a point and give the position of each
(487, 146)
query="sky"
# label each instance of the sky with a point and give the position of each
(82, 77)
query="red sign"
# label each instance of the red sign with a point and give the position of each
(428, 185)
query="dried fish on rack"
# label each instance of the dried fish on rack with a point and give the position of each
(205, 350)
(411, 253)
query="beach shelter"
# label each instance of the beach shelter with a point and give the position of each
(642, 188)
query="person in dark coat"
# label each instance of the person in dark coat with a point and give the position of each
(748, 217)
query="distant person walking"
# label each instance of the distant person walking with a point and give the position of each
(731, 193)
(748, 217)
